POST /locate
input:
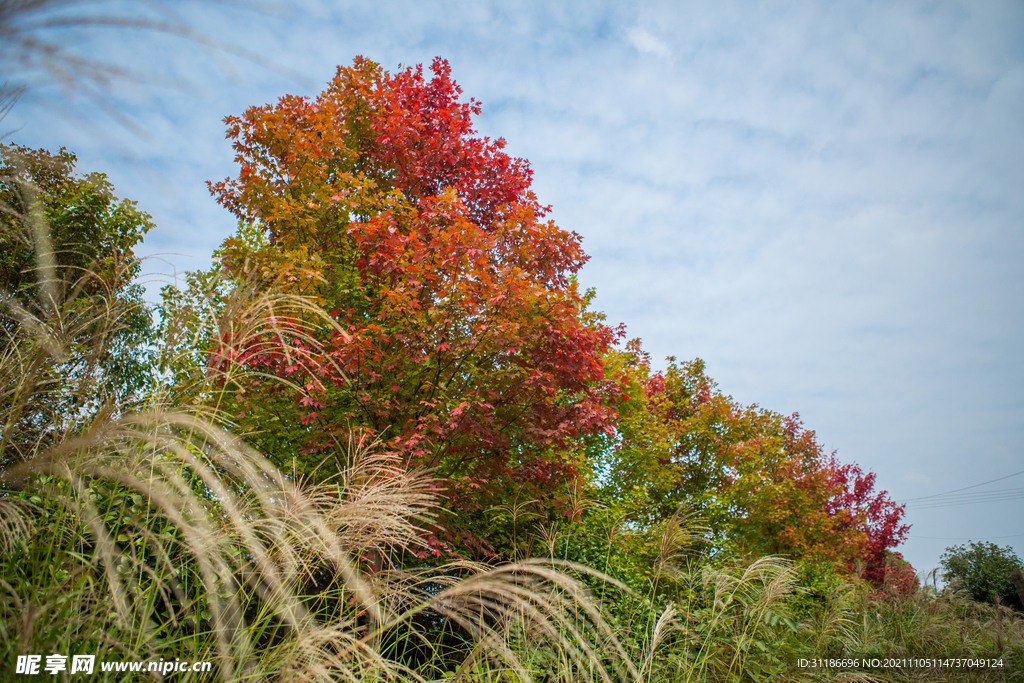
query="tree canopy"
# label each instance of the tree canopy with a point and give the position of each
(466, 345)
(760, 480)
(68, 278)
(983, 569)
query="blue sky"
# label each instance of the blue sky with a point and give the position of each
(823, 201)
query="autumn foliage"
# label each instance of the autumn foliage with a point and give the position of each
(466, 348)
(464, 345)
(397, 326)
(760, 479)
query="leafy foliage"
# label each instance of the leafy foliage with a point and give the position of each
(465, 346)
(983, 569)
(878, 518)
(761, 480)
(74, 327)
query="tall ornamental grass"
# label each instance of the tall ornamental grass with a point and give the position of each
(140, 528)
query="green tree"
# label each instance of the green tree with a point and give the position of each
(73, 325)
(983, 569)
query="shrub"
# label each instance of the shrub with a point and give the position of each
(983, 570)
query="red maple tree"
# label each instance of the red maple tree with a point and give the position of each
(876, 515)
(467, 347)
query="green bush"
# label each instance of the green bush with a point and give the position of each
(983, 570)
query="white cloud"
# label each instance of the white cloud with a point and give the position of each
(646, 43)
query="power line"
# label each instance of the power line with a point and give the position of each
(957, 496)
(966, 538)
(972, 486)
(968, 499)
(968, 502)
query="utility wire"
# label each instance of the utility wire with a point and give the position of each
(966, 538)
(972, 486)
(954, 496)
(969, 502)
(965, 498)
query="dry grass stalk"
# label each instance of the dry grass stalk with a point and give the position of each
(213, 548)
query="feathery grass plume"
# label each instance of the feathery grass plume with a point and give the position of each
(14, 522)
(205, 510)
(173, 538)
(746, 604)
(683, 530)
(675, 545)
(832, 626)
(385, 507)
(518, 511)
(523, 617)
(212, 535)
(219, 334)
(28, 41)
(666, 624)
(9, 96)
(67, 319)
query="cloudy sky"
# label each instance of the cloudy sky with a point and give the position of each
(824, 201)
